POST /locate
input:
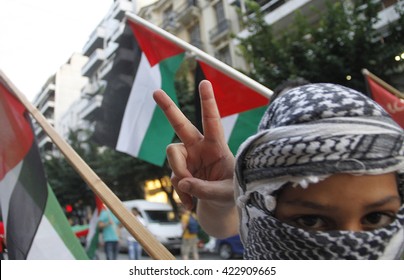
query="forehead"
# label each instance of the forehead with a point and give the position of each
(346, 188)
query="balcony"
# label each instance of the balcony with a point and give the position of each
(45, 143)
(93, 63)
(49, 106)
(120, 8)
(95, 41)
(170, 23)
(221, 31)
(47, 93)
(188, 12)
(124, 61)
(105, 69)
(90, 109)
(92, 88)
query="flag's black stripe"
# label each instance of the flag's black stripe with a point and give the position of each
(26, 206)
(115, 97)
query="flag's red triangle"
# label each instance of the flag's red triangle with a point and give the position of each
(391, 103)
(16, 136)
(231, 96)
(155, 47)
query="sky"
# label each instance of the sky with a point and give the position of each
(38, 36)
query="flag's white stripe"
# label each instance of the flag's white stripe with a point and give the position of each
(7, 186)
(92, 228)
(228, 124)
(47, 244)
(140, 108)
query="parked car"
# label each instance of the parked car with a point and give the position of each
(230, 247)
(159, 219)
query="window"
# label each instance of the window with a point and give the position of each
(195, 36)
(224, 55)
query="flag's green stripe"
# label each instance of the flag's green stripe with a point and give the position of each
(160, 132)
(93, 245)
(57, 218)
(246, 125)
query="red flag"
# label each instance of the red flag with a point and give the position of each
(240, 107)
(391, 103)
(232, 96)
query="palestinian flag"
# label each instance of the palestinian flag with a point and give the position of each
(391, 103)
(240, 107)
(35, 225)
(142, 129)
(93, 232)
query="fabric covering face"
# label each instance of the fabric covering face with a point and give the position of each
(305, 136)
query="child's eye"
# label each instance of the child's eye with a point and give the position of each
(377, 220)
(310, 222)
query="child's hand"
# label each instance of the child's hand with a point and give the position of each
(202, 165)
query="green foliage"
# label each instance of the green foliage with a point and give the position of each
(123, 174)
(341, 43)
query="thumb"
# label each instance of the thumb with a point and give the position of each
(221, 190)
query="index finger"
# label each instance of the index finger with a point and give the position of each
(185, 130)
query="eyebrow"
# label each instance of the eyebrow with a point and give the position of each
(310, 204)
(317, 206)
(384, 201)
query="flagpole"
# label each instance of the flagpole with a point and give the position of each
(383, 84)
(149, 243)
(212, 61)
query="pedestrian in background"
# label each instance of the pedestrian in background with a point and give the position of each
(190, 227)
(110, 227)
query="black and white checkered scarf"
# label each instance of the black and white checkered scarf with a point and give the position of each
(306, 135)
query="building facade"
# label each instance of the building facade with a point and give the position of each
(56, 96)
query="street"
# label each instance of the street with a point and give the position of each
(124, 256)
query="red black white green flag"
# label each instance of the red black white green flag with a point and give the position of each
(35, 224)
(240, 107)
(94, 232)
(141, 128)
(391, 103)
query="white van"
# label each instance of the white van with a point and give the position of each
(159, 219)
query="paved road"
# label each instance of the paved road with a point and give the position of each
(124, 256)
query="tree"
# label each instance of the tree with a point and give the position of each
(64, 180)
(339, 45)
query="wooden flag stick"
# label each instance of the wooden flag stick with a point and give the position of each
(391, 89)
(149, 243)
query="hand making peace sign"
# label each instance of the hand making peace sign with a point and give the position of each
(202, 164)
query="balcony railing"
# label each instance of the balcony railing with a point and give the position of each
(94, 61)
(120, 7)
(188, 11)
(222, 29)
(95, 41)
(170, 23)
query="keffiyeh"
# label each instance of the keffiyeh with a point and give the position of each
(306, 135)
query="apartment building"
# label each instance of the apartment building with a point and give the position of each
(206, 24)
(56, 96)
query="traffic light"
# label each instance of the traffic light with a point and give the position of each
(69, 208)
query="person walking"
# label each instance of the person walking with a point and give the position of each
(190, 227)
(110, 227)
